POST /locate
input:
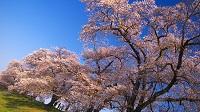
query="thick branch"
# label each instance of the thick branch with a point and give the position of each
(178, 99)
(193, 44)
(161, 92)
(191, 39)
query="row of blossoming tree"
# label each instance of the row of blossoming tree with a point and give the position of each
(138, 57)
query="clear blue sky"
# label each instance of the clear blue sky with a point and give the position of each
(27, 25)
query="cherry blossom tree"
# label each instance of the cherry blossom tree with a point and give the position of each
(10, 75)
(52, 72)
(144, 57)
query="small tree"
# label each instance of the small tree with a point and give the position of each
(149, 56)
(11, 74)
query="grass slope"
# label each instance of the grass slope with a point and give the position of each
(10, 102)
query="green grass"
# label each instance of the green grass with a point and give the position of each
(11, 102)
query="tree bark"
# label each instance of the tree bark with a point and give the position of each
(91, 109)
(130, 102)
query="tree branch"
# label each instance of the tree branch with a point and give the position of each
(178, 99)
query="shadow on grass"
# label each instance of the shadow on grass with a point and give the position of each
(15, 101)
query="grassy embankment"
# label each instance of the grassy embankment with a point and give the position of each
(11, 102)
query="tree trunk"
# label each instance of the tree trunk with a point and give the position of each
(130, 104)
(130, 109)
(96, 110)
(54, 98)
(138, 109)
(91, 109)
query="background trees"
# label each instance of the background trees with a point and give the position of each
(52, 72)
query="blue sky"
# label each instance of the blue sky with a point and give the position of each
(27, 25)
